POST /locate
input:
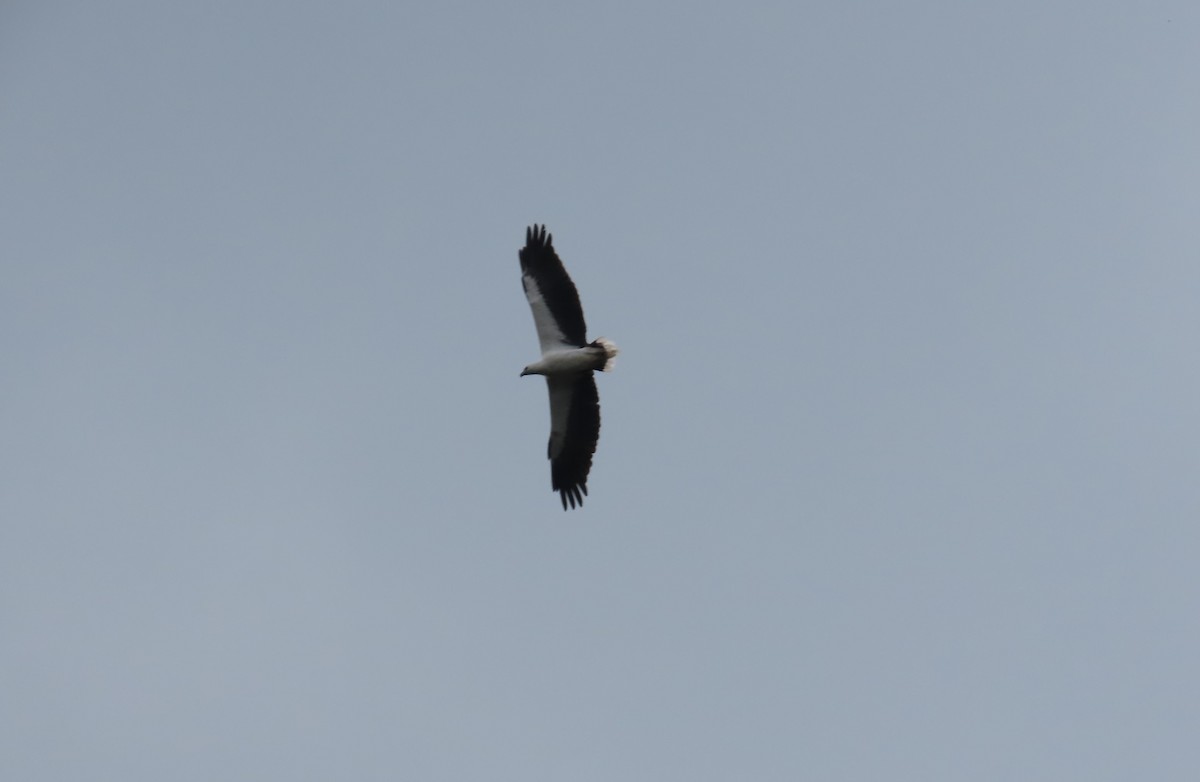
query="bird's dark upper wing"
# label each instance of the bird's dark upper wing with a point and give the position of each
(557, 313)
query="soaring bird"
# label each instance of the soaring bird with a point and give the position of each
(567, 362)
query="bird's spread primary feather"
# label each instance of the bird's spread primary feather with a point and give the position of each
(567, 362)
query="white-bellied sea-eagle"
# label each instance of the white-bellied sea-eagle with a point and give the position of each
(567, 362)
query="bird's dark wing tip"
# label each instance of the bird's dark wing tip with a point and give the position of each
(536, 236)
(571, 495)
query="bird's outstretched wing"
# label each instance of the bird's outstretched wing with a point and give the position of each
(557, 313)
(574, 432)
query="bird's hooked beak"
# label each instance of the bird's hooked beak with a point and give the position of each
(524, 372)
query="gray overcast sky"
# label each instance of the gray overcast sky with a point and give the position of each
(898, 477)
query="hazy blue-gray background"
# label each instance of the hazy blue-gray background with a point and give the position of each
(898, 477)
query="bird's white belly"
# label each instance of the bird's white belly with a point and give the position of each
(564, 362)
